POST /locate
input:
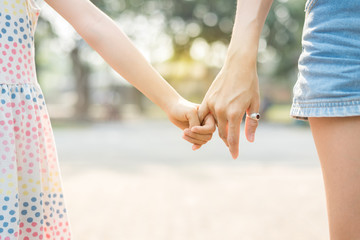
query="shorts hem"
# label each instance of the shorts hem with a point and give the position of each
(304, 110)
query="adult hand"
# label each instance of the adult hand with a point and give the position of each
(236, 89)
(234, 92)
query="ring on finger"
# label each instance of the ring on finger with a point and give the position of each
(255, 116)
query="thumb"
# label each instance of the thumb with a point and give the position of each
(193, 118)
(208, 127)
(203, 111)
(194, 121)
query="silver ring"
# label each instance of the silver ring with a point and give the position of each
(255, 116)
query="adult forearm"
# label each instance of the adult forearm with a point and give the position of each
(249, 21)
(235, 90)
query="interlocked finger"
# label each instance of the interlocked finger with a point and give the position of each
(193, 140)
(202, 137)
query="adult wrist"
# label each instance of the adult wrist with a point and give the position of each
(241, 57)
(243, 47)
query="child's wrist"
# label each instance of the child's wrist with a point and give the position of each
(170, 101)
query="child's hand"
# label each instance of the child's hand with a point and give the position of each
(185, 116)
(199, 134)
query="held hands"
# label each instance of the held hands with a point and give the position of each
(234, 92)
(184, 114)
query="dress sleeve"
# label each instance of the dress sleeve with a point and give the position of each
(33, 10)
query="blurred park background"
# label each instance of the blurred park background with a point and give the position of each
(186, 41)
(128, 174)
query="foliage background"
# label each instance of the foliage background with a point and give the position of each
(186, 40)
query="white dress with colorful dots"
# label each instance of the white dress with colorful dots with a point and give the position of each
(31, 200)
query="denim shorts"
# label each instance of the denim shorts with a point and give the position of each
(328, 83)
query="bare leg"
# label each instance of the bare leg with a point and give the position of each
(338, 144)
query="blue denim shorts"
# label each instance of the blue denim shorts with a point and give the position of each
(328, 83)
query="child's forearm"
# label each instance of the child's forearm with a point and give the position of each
(103, 35)
(118, 51)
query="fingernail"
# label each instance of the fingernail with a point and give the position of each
(194, 147)
(252, 137)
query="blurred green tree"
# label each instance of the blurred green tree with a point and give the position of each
(187, 21)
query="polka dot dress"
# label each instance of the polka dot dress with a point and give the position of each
(31, 200)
